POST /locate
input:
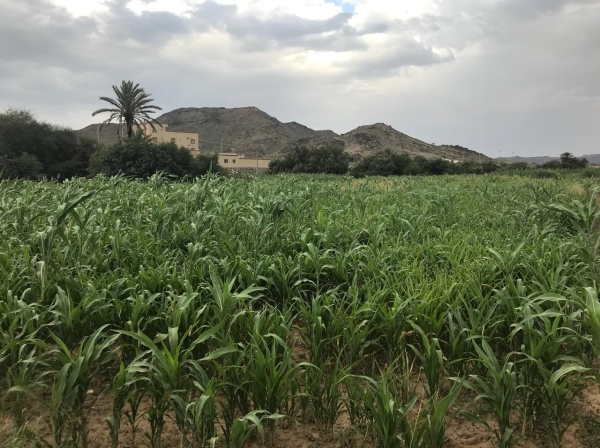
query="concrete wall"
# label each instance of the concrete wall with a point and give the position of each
(187, 140)
(230, 161)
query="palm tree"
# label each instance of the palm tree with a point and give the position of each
(132, 107)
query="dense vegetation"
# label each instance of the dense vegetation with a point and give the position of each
(140, 158)
(321, 160)
(31, 149)
(567, 161)
(194, 302)
(132, 106)
(389, 163)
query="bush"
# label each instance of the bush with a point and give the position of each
(591, 172)
(142, 159)
(204, 163)
(543, 174)
(518, 166)
(31, 149)
(388, 163)
(384, 163)
(24, 166)
(325, 160)
(567, 161)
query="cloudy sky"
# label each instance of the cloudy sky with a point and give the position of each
(502, 77)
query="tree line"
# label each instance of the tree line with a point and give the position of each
(32, 149)
(333, 160)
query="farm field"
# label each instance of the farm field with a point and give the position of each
(300, 311)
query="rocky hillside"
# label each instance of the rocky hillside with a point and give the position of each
(593, 159)
(248, 130)
(107, 136)
(366, 140)
(244, 130)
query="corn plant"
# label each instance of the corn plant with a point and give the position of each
(389, 416)
(497, 389)
(171, 367)
(73, 375)
(243, 427)
(270, 369)
(581, 216)
(432, 360)
(564, 385)
(201, 416)
(324, 389)
(432, 423)
(122, 386)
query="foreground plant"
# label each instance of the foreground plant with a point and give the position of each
(497, 389)
(73, 376)
(389, 415)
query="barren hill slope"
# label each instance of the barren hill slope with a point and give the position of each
(248, 130)
(107, 136)
(366, 140)
(243, 130)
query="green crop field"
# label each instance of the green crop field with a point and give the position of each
(300, 311)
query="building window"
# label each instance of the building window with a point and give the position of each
(193, 142)
(173, 140)
(232, 160)
(226, 161)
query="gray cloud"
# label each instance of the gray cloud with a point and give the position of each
(503, 76)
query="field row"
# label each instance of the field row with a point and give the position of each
(373, 312)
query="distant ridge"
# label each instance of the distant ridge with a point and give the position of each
(593, 159)
(250, 131)
(369, 139)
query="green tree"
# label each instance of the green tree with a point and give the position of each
(141, 158)
(132, 106)
(384, 163)
(569, 161)
(324, 159)
(32, 149)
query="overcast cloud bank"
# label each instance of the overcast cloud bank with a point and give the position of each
(498, 76)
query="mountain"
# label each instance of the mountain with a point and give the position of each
(244, 130)
(366, 140)
(107, 136)
(248, 130)
(593, 159)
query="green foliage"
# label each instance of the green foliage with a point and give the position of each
(384, 163)
(324, 159)
(231, 303)
(31, 149)
(142, 159)
(131, 106)
(389, 163)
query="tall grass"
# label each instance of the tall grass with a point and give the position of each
(228, 302)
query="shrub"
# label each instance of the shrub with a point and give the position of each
(517, 166)
(141, 159)
(30, 149)
(543, 174)
(383, 163)
(24, 166)
(325, 159)
(388, 163)
(591, 172)
(567, 161)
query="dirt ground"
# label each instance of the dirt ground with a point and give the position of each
(583, 433)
